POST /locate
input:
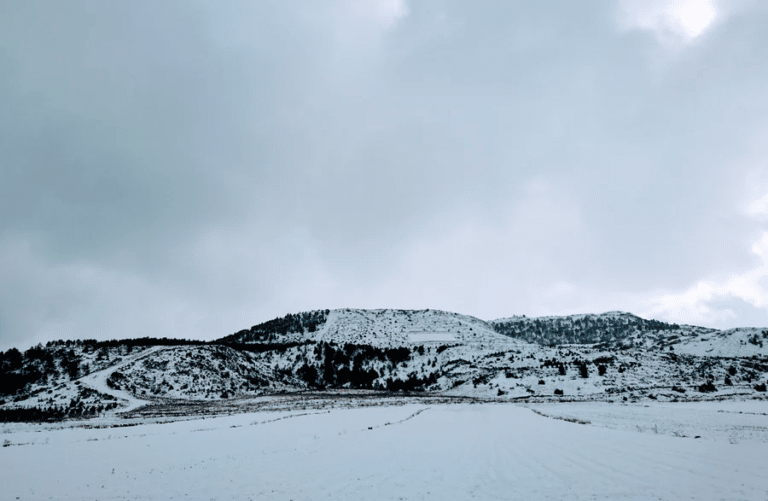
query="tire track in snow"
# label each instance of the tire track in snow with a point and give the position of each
(255, 423)
(402, 420)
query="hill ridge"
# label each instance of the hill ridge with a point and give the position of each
(615, 356)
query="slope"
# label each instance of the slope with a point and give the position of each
(739, 342)
(381, 327)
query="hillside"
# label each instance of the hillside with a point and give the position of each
(739, 342)
(609, 357)
(383, 327)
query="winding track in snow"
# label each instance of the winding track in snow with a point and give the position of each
(98, 380)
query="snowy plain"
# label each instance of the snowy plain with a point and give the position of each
(491, 451)
(189, 422)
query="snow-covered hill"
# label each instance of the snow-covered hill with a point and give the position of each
(406, 327)
(199, 373)
(383, 327)
(610, 357)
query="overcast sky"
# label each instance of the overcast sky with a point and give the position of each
(191, 168)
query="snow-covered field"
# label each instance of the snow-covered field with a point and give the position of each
(730, 421)
(394, 404)
(491, 451)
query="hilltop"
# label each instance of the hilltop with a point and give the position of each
(372, 327)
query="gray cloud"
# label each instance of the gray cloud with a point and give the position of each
(187, 169)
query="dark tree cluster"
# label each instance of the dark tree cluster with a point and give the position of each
(271, 330)
(266, 347)
(91, 344)
(588, 329)
(553, 362)
(413, 383)
(352, 365)
(116, 380)
(18, 370)
(52, 413)
(64, 359)
(754, 339)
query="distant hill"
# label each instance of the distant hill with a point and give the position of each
(612, 356)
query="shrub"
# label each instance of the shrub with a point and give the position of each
(308, 374)
(398, 355)
(707, 387)
(116, 380)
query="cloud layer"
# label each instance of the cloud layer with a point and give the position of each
(190, 169)
(686, 19)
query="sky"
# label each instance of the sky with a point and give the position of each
(192, 168)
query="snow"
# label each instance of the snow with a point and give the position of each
(198, 373)
(386, 327)
(422, 337)
(495, 451)
(739, 342)
(631, 426)
(729, 421)
(98, 380)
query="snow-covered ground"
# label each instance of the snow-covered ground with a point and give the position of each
(730, 421)
(494, 451)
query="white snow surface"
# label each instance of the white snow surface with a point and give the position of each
(733, 421)
(387, 327)
(442, 452)
(739, 342)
